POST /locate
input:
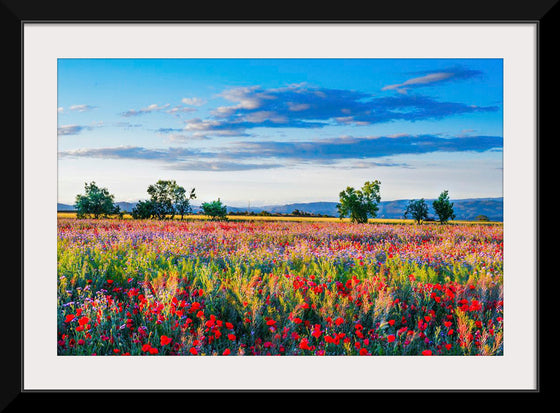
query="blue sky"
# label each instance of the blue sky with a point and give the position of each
(269, 131)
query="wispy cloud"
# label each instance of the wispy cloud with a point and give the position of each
(358, 152)
(81, 108)
(432, 78)
(127, 125)
(371, 164)
(178, 135)
(209, 127)
(367, 147)
(130, 152)
(178, 110)
(193, 101)
(77, 129)
(171, 158)
(71, 129)
(221, 166)
(149, 109)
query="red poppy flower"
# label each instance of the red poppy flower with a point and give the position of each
(165, 340)
(304, 344)
(226, 352)
(316, 333)
(427, 352)
(83, 320)
(69, 317)
(339, 321)
(193, 351)
(390, 338)
(475, 306)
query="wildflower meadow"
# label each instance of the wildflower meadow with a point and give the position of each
(304, 288)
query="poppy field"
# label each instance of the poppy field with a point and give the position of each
(205, 288)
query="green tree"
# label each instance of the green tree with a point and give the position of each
(215, 210)
(96, 202)
(360, 204)
(167, 198)
(143, 210)
(418, 210)
(161, 196)
(443, 208)
(181, 201)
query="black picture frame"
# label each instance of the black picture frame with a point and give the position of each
(16, 13)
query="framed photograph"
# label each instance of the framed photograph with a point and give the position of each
(285, 206)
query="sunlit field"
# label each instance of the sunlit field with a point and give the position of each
(196, 217)
(278, 286)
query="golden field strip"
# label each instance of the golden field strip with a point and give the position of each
(302, 219)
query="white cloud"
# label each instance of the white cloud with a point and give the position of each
(176, 110)
(246, 97)
(81, 108)
(264, 115)
(76, 129)
(297, 107)
(151, 108)
(193, 101)
(71, 129)
(422, 80)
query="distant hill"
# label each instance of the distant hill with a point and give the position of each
(322, 208)
(465, 209)
(125, 206)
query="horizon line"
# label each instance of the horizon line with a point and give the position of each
(258, 205)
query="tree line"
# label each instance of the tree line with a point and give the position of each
(167, 199)
(362, 204)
